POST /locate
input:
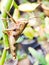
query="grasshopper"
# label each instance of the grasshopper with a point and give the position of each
(14, 32)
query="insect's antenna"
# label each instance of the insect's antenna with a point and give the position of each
(11, 18)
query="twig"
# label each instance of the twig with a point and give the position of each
(11, 18)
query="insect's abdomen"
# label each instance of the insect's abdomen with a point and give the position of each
(12, 47)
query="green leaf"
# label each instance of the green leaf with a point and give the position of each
(47, 58)
(38, 56)
(46, 35)
(21, 56)
(28, 7)
(9, 56)
(20, 39)
(29, 32)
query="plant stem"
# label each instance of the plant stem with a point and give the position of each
(5, 37)
(4, 15)
(15, 5)
(1, 41)
(3, 57)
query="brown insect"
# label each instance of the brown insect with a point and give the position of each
(14, 32)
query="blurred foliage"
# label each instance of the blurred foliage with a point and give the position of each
(47, 58)
(26, 16)
(36, 63)
(1, 27)
(38, 56)
(41, 15)
(29, 32)
(18, 55)
(46, 2)
(24, 1)
(0, 53)
(28, 7)
(21, 56)
(42, 60)
(20, 39)
(1, 41)
(9, 56)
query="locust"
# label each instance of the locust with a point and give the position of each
(14, 32)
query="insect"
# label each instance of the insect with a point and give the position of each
(14, 32)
